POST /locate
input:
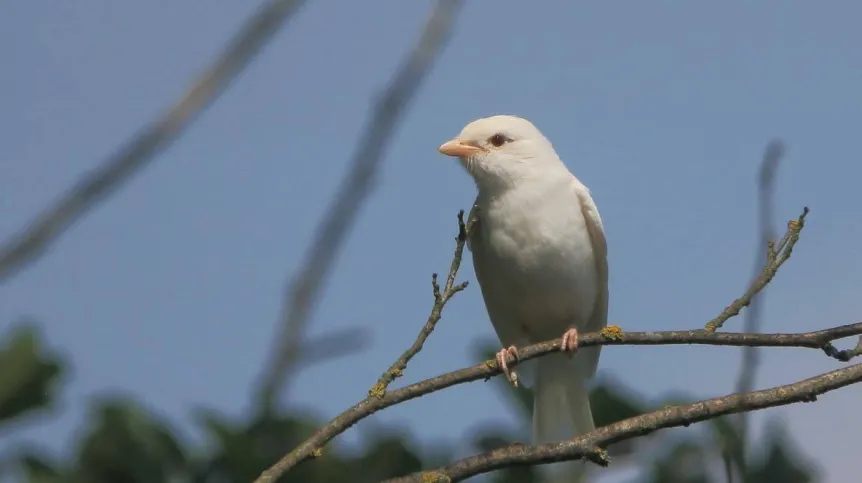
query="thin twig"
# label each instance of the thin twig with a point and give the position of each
(591, 445)
(303, 291)
(377, 395)
(33, 242)
(753, 316)
(611, 335)
(440, 298)
(843, 355)
(336, 344)
(776, 256)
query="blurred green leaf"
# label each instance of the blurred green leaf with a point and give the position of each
(779, 462)
(388, 456)
(729, 443)
(29, 373)
(37, 469)
(611, 402)
(127, 445)
(684, 463)
(243, 449)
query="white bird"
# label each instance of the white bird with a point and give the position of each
(540, 255)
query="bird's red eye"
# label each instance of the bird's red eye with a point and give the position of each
(497, 140)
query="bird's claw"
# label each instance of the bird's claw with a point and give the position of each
(511, 375)
(570, 342)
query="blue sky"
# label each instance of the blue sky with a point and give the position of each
(171, 291)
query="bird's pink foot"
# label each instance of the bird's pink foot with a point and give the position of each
(501, 363)
(570, 342)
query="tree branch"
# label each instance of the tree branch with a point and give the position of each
(590, 445)
(611, 335)
(46, 229)
(440, 298)
(776, 255)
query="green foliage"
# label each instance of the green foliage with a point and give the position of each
(779, 462)
(119, 428)
(775, 462)
(122, 442)
(29, 374)
(685, 462)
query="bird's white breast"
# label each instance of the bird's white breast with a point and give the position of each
(537, 245)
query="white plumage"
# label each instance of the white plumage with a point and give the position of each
(540, 255)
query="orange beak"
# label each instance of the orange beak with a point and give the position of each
(456, 148)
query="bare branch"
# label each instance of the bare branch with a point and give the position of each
(591, 445)
(440, 298)
(777, 254)
(378, 393)
(611, 335)
(46, 229)
(304, 289)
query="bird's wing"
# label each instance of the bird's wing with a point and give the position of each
(496, 299)
(599, 317)
(596, 230)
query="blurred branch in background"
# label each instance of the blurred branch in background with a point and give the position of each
(304, 290)
(46, 229)
(752, 322)
(333, 345)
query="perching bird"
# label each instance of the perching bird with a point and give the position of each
(540, 255)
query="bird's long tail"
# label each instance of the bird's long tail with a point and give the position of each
(561, 406)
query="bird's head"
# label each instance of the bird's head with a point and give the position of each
(502, 151)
